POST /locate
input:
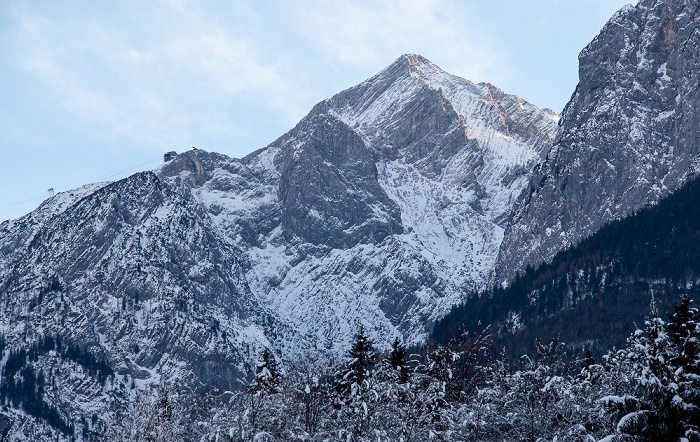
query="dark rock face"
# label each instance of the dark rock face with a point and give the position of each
(629, 136)
(328, 189)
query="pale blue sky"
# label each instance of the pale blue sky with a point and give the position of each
(93, 91)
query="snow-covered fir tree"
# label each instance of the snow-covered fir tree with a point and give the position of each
(654, 412)
(396, 360)
(267, 375)
(361, 361)
(684, 328)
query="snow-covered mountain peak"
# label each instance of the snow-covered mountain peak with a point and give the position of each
(384, 206)
(420, 68)
(496, 122)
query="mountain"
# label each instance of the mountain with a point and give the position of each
(130, 265)
(384, 206)
(629, 136)
(121, 285)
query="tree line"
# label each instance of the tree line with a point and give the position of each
(647, 391)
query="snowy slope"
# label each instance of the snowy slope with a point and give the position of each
(385, 206)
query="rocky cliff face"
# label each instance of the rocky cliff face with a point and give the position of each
(384, 206)
(328, 190)
(629, 136)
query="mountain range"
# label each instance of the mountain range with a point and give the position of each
(387, 206)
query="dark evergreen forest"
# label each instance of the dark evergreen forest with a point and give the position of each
(590, 296)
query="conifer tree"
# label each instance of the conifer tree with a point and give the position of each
(656, 413)
(267, 375)
(588, 358)
(684, 328)
(397, 359)
(362, 358)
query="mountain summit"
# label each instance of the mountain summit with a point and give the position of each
(384, 206)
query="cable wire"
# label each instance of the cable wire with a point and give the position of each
(72, 186)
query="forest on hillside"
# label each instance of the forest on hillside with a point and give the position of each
(593, 295)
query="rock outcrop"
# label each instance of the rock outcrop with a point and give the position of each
(629, 136)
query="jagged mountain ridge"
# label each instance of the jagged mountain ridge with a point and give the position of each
(629, 136)
(135, 272)
(382, 207)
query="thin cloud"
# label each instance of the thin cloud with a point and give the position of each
(369, 32)
(184, 65)
(38, 52)
(167, 71)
